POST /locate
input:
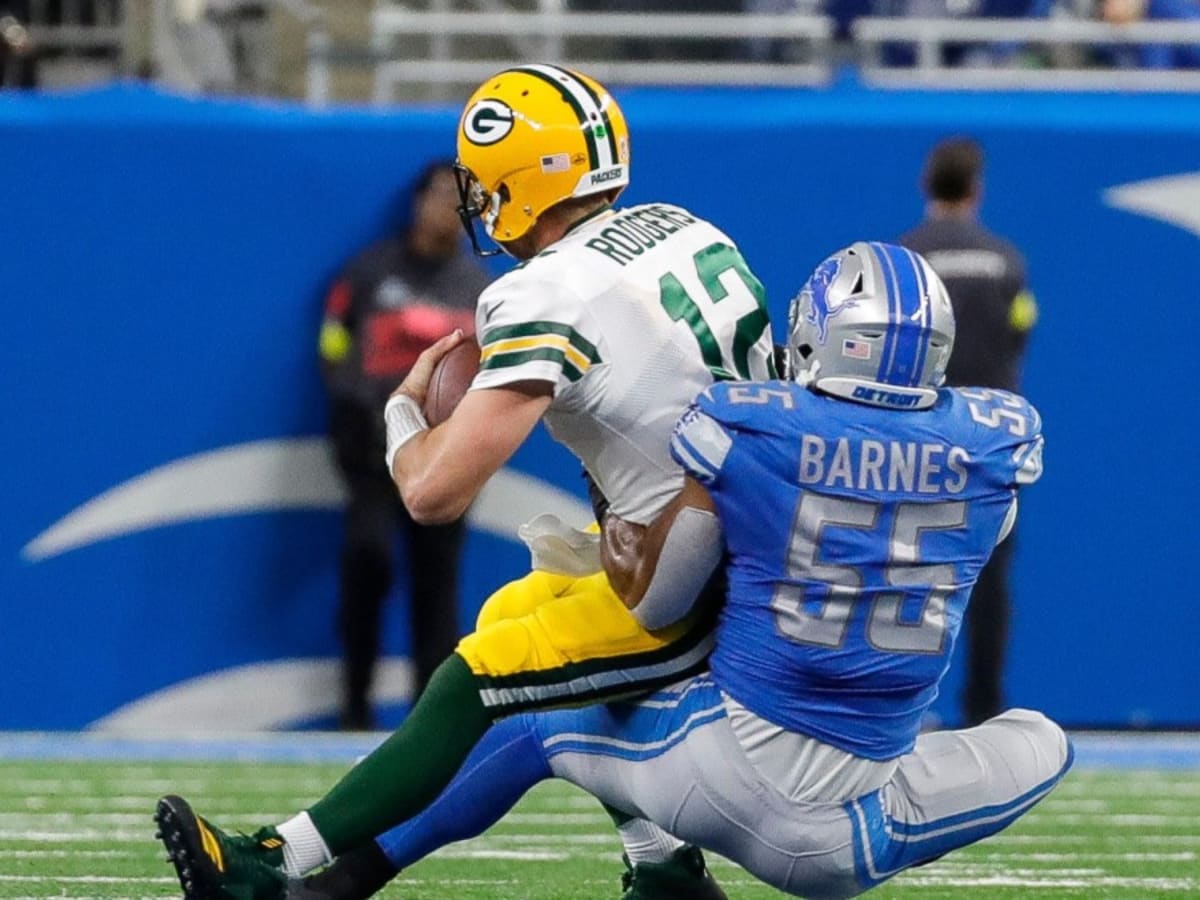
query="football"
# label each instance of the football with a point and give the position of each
(451, 378)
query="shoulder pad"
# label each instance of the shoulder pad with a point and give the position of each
(700, 444)
(1004, 424)
(1009, 414)
(752, 405)
(528, 329)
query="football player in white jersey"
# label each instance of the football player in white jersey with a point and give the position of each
(612, 323)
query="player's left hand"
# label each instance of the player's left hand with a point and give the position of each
(416, 383)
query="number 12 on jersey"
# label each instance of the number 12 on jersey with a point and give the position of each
(733, 360)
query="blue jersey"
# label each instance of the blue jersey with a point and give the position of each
(854, 535)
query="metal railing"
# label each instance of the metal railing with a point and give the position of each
(194, 47)
(318, 45)
(929, 39)
(95, 28)
(562, 37)
(442, 51)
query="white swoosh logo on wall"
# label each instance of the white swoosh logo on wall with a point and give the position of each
(286, 692)
(1174, 199)
(270, 476)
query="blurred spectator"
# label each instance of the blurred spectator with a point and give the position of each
(763, 49)
(1124, 12)
(18, 61)
(391, 301)
(985, 276)
(978, 54)
(1151, 56)
(656, 48)
(216, 46)
(844, 12)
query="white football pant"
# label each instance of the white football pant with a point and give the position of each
(802, 816)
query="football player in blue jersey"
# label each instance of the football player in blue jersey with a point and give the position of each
(854, 507)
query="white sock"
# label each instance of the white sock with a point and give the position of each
(646, 842)
(304, 849)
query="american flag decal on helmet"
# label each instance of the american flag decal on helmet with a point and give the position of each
(856, 349)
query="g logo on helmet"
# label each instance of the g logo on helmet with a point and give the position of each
(487, 122)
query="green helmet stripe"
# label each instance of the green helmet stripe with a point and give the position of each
(575, 99)
(608, 128)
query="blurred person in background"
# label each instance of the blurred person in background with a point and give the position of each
(18, 60)
(1151, 56)
(1121, 12)
(977, 54)
(985, 276)
(648, 48)
(217, 47)
(764, 49)
(392, 300)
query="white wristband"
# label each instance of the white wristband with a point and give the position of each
(404, 421)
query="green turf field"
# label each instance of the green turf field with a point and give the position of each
(83, 829)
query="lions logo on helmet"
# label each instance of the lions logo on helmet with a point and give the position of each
(820, 311)
(531, 137)
(873, 324)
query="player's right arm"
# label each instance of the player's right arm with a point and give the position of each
(441, 471)
(535, 342)
(659, 571)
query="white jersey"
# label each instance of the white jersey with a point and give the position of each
(630, 315)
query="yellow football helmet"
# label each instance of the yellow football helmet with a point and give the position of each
(531, 137)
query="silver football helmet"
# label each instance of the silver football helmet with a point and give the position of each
(873, 324)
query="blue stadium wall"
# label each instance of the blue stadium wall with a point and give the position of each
(169, 526)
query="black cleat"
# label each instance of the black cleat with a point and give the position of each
(212, 865)
(682, 877)
(355, 875)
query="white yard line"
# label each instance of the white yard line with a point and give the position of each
(1048, 881)
(87, 879)
(467, 852)
(71, 854)
(1122, 840)
(102, 835)
(1094, 857)
(524, 818)
(1113, 820)
(462, 882)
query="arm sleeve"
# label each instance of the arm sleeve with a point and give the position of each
(690, 553)
(533, 330)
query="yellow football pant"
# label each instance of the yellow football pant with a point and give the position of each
(550, 640)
